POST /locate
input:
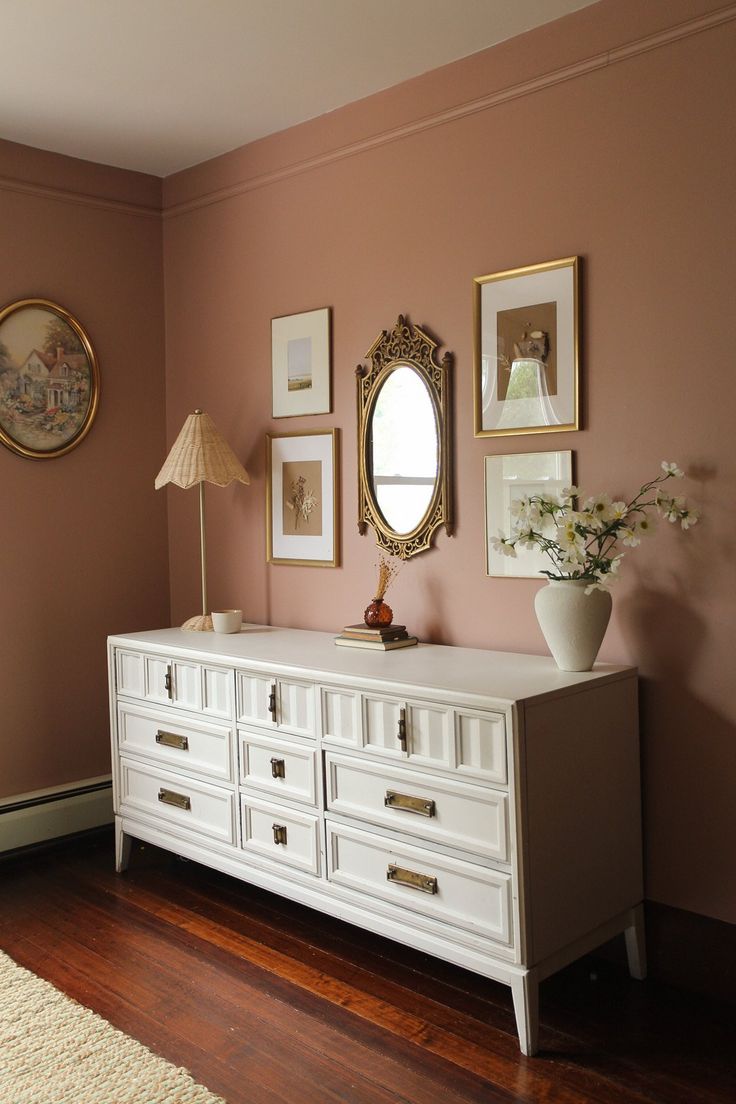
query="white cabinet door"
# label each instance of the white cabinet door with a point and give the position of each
(295, 707)
(280, 703)
(480, 744)
(340, 717)
(428, 736)
(255, 697)
(384, 725)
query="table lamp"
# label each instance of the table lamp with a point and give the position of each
(200, 454)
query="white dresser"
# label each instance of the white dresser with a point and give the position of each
(481, 806)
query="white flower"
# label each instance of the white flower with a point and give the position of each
(600, 585)
(673, 508)
(570, 492)
(500, 545)
(618, 511)
(599, 509)
(523, 510)
(689, 518)
(629, 536)
(646, 526)
(671, 468)
(569, 539)
(527, 538)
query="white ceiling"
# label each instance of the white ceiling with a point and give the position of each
(158, 85)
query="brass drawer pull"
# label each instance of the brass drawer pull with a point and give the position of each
(172, 740)
(168, 684)
(179, 801)
(422, 806)
(278, 768)
(272, 701)
(402, 729)
(279, 833)
(409, 878)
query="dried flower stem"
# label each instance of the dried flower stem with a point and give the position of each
(387, 572)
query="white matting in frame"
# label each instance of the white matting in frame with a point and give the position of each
(301, 498)
(526, 350)
(300, 363)
(507, 479)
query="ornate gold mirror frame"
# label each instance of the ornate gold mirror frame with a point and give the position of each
(404, 345)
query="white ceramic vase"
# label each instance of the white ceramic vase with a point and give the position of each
(573, 622)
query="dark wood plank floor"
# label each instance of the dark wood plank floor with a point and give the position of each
(267, 1002)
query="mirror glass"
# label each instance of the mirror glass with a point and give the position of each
(404, 449)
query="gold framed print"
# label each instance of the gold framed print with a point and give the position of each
(300, 364)
(302, 499)
(49, 379)
(526, 349)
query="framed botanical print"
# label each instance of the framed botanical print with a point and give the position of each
(49, 379)
(507, 480)
(526, 350)
(300, 363)
(302, 498)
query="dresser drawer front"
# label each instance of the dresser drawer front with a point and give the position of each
(285, 836)
(457, 814)
(180, 744)
(457, 893)
(194, 805)
(278, 767)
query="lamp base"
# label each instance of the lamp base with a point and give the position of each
(201, 623)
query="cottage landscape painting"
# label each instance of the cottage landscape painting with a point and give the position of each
(48, 379)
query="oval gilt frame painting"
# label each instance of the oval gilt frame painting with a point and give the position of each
(49, 379)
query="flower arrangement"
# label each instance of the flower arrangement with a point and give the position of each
(379, 612)
(583, 544)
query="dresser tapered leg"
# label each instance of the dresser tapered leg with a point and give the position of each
(636, 949)
(525, 993)
(122, 847)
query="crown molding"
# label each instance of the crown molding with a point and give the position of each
(79, 199)
(471, 107)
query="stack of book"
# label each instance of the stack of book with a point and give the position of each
(383, 638)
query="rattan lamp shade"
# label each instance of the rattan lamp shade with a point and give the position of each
(200, 454)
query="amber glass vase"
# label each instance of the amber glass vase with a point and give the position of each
(378, 614)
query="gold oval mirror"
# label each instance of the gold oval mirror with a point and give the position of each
(402, 440)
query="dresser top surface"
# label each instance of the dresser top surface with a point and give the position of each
(501, 676)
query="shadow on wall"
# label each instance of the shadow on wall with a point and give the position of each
(688, 756)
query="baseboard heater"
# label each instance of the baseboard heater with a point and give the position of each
(50, 814)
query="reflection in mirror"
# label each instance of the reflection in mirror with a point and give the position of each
(404, 456)
(404, 449)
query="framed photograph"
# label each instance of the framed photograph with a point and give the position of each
(49, 379)
(525, 374)
(507, 479)
(301, 498)
(300, 364)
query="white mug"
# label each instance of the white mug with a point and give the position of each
(227, 621)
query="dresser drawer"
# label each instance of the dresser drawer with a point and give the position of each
(285, 836)
(178, 743)
(278, 767)
(457, 814)
(457, 893)
(193, 805)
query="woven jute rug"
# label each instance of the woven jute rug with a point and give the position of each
(54, 1051)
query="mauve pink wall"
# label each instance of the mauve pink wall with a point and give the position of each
(631, 167)
(84, 542)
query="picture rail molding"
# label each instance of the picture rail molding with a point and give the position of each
(646, 43)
